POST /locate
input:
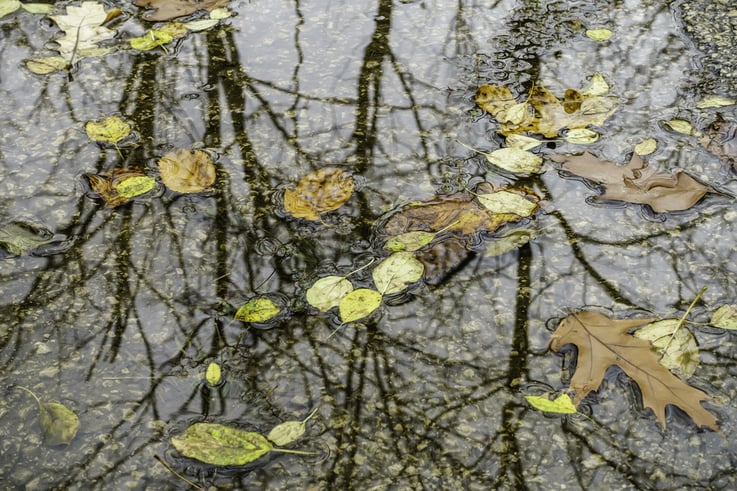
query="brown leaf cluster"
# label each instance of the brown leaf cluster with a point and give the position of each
(635, 182)
(543, 113)
(323, 191)
(104, 184)
(603, 342)
(171, 9)
(720, 139)
(187, 171)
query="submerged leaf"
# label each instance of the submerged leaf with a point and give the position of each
(289, 431)
(327, 292)
(259, 309)
(325, 190)
(46, 65)
(681, 355)
(397, 272)
(508, 202)
(410, 241)
(187, 171)
(109, 130)
(358, 304)
(221, 445)
(725, 317)
(19, 238)
(561, 405)
(59, 424)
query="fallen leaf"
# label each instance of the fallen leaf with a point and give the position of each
(522, 142)
(289, 431)
(59, 424)
(9, 6)
(19, 238)
(507, 202)
(259, 309)
(646, 146)
(134, 186)
(681, 355)
(213, 374)
(725, 317)
(599, 34)
(170, 9)
(214, 19)
(515, 160)
(597, 86)
(221, 445)
(715, 101)
(603, 342)
(105, 185)
(83, 30)
(46, 65)
(358, 304)
(111, 130)
(511, 241)
(327, 292)
(325, 190)
(187, 171)
(635, 182)
(682, 126)
(395, 273)
(561, 405)
(581, 136)
(720, 139)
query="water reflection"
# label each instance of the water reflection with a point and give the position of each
(426, 395)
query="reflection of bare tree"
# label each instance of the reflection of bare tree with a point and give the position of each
(427, 395)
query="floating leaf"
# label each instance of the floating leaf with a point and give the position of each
(715, 101)
(19, 238)
(681, 126)
(83, 30)
(597, 86)
(646, 146)
(397, 272)
(215, 17)
(170, 9)
(725, 317)
(720, 138)
(109, 130)
(581, 136)
(135, 186)
(289, 431)
(46, 65)
(513, 240)
(259, 309)
(187, 171)
(522, 142)
(681, 355)
(325, 190)
(410, 241)
(106, 184)
(213, 374)
(153, 38)
(10, 6)
(221, 445)
(599, 34)
(515, 160)
(508, 202)
(561, 405)
(327, 292)
(59, 424)
(359, 304)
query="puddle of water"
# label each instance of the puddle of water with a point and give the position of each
(428, 392)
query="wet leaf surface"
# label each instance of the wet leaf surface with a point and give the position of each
(171, 9)
(725, 317)
(358, 304)
(327, 292)
(603, 342)
(560, 405)
(106, 184)
(21, 238)
(109, 130)
(259, 309)
(676, 345)
(221, 445)
(187, 171)
(289, 431)
(59, 424)
(324, 190)
(83, 30)
(720, 139)
(395, 273)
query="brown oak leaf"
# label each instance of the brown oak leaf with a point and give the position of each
(603, 342)
(635, 182)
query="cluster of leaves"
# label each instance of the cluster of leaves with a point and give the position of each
(223, 445)
(182, 171)
(88, 29)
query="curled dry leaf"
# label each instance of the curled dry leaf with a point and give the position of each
(187, 171)
(635, 182)
(325, 190)
(114, 187)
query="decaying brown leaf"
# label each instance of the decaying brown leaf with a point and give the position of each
(171, 9)
(603, 342)
(635, 182)
(720, 139)
(187, 171)
(544, 113)
(106, 185)
(325, 190)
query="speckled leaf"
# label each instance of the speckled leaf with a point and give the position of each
(327, 292)
(397, 272)
(109, 130)
(359, 304)
(135, 186)
(187, 171)
(58, 423)
(507, 202)
(289, 431)
(561, 405)
(646, 146)
(221, 445)
(725, 317)
(682, 354)
(258, 309)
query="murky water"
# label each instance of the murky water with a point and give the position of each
(119, 314)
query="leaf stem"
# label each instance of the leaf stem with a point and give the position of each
(161, 461)
(296, 452)
(683, 319)
(30, 392)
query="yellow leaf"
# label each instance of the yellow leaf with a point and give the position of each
(581, 136)
(358, 304)
(187, 171)
(599, 34)
(258, 309)
(213, 373)
(561, 405)
(108, 130)
(134, 186)
(646, 146)
(320, 192)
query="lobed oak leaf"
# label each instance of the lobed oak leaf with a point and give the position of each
(603, 342)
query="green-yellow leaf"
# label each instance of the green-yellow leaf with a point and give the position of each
(221, 445)
(561, 405)
(681, 126)
(522, 142)
(258, 309)
(8, 7)
(500, 245)
(327, 292)
(37, 8)
(213, 373)
(515, 160)
(397, 272)
(201, 25)
(410, 241)
(725, 317)
(646, 146)
(581, 136)
(715, 101)
(107, 130)
(153, 38)
(599, 34)
(135, 186)
(507, 202)
(220, 13)
(289, 431)
(46, 65)
(681, 355)
(358, 304)
(598, 86)
(58, 423)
